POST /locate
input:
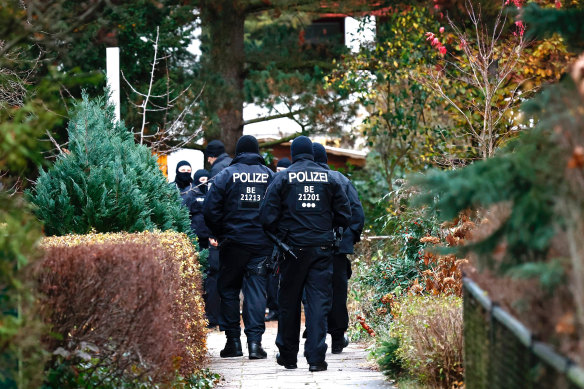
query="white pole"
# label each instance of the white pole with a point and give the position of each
(112, 55)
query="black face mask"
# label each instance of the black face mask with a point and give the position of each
(183, 180)
(204, 187)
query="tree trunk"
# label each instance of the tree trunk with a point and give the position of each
(223, 69)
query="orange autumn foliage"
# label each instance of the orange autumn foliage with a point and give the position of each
(365, 326)
(445, 273)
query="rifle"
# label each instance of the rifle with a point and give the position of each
(206, 182)
(281, 245)
(191, 187)
(272, 263)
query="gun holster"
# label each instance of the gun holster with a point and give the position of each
(338, 234)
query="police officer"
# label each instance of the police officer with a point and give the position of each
(304, 204)
(231, 212)
(274, 279)
(219, 160)
(182, 180)
(194, 199)
(283, 164)
(217, 157)
(338, 319)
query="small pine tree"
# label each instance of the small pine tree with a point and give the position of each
(106, 182)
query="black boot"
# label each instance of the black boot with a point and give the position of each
(232, 348)
(338, 345)
(280, 361)
(256, 351)
(318, 367)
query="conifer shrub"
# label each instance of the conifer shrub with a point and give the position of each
(122, 307)
(105, 182)
(389, 361)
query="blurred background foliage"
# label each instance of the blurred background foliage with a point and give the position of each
(518, 192)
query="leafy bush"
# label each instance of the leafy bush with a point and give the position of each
(429, 331)
(388, 267)
(373, 189)
(105, 182)
(202, 379)
(395, 263)
(123, 306)
(80, 370)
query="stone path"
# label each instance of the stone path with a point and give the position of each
(350, 369)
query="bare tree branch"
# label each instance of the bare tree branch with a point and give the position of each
(145, 103)
(492, 63)
(290, 114)
(164, 139)
(285, 139)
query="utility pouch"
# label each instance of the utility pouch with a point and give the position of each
(262, 267)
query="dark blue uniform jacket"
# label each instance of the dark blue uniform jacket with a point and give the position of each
(221, 163)
(305, 202)
(232, 205)
(352, 234)
(194, 200)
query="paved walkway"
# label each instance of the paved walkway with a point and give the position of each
(350, 369)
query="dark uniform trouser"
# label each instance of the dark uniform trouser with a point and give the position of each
(272, 289)
(338, 319)
(203, 243)
(311, 272)
(239, 271)
(212, 300)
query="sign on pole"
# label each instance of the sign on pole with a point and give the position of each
(112, 55)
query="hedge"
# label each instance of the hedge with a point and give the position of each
(132, 301)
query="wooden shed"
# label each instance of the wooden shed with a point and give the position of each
(337, 157)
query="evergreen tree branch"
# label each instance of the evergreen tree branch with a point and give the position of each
(258, 6)
(255, 6)
(41, 15)
(290, 115)
(285, 139)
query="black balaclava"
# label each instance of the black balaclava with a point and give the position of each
(198, 174)
(215, 148)
(319, 153)
(301, 146)
(284, 162)
(247, 144)
(183, 180)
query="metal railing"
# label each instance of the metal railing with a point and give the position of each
(500, 352)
